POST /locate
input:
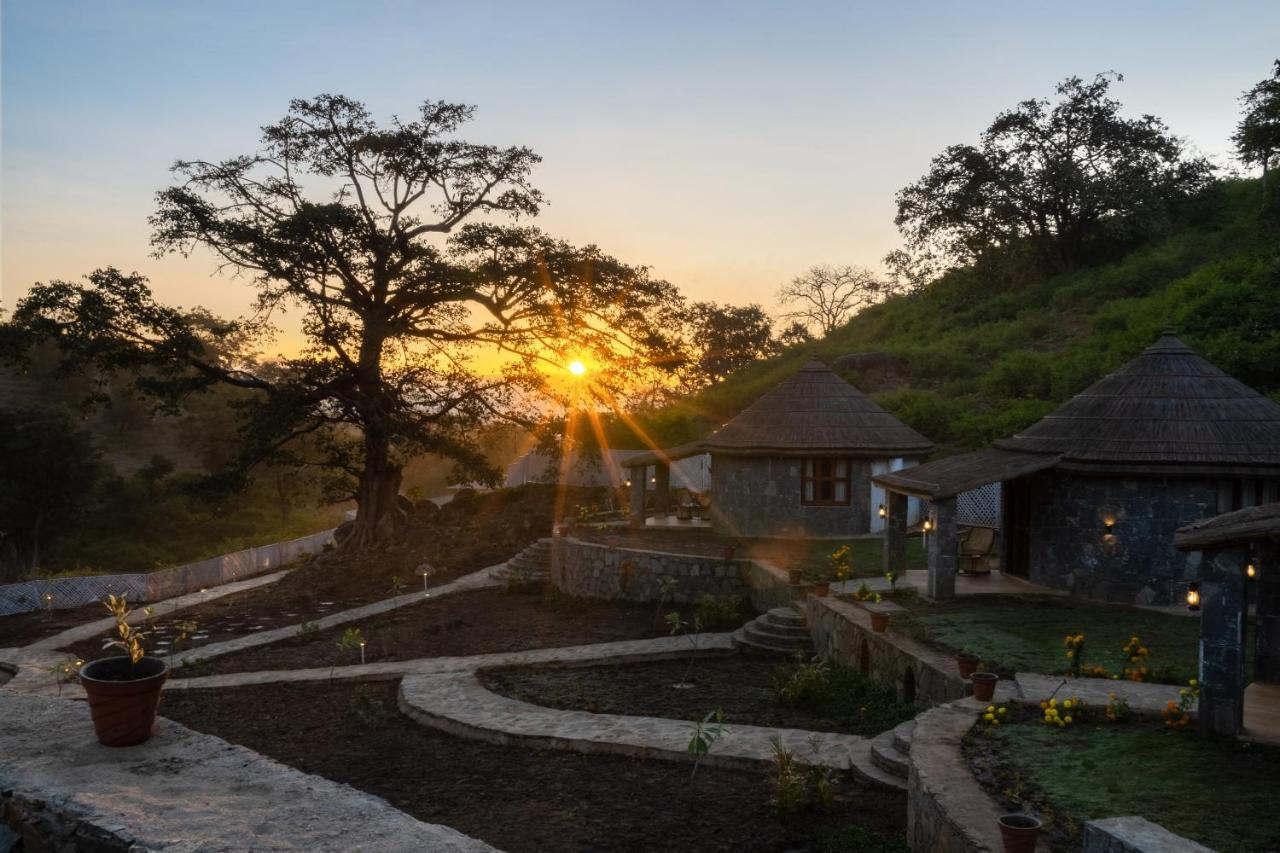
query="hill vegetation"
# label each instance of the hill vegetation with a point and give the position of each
(979, 353)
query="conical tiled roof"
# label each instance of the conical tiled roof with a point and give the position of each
(1166, 407)
(815, 410)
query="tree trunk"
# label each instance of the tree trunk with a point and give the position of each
(378, 513)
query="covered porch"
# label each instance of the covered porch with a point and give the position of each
(940, 483)
(1239, 569)
(650, 474)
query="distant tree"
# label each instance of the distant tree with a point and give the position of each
(48, 472)
(908, 272)
(825, 297)
(795, 334)
(726, 338)
(1257, 136)
(344, 220)
(1060, 177)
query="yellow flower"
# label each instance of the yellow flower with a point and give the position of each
(990, 718)
(1067, 719)
(1053, 703)
(1003, 711)
(991, 709)
(1066, 704)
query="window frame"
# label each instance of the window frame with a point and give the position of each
(809, 475)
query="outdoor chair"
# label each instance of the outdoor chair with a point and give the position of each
(975, 549)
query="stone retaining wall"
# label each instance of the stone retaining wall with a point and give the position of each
(842, 633)
(1135, 835)
(66, 592)
(947, 810)
(593, 570)
(41, 825)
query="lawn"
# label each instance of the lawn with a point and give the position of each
(1025, 634)
(1212, 790)
(866, 555)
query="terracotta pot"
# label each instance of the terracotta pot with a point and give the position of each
(821, 588)
(879, 622)
(795, 577)
(123, 699)
(729, 551)
(1019, 832)
(967, 664)
(984, 685)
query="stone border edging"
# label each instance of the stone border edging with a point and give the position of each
(185, 790)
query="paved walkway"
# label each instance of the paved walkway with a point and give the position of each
(187, 791)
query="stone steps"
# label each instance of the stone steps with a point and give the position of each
(532, 564)
(780, 631)
(902, 736)
(865, 760)
(886, 757)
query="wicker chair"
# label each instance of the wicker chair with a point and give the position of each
(974, 549)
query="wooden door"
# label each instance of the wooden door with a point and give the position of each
(1015, 511)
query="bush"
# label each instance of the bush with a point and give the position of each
(803, 685)
(719, 612)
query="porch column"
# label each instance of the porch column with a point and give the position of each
(638, 488)
(895, 533)
(1266, 594)
(661, 489)
(942, 550)
(1222, 640)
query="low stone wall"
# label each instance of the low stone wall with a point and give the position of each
(947, 810)
(842, 633)
(593, 570)
(1135, 835)
(41, 825)
(31, 595)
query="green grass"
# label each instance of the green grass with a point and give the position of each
(1211, 790)
(866, 555)
(1025, 634)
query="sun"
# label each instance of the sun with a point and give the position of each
(577, 368)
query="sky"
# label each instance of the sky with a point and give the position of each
(728, 145)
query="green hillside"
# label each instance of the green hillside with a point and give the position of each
(977, 360)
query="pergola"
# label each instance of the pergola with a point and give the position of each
(1240, 559)
(940, 483)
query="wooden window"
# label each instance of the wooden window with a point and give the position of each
(1241, 494)
(825, 481)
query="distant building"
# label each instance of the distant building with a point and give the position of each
(608, 469)
(1093, 493)
(798, 461)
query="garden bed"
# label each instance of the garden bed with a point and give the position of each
(22, 629)
(520, 799)
(743, 686)
(1025, 634)
(465, 623)
(1215, 791)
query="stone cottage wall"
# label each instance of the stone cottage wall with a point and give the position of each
(1137, 563)
(592, 570)
(760, 496)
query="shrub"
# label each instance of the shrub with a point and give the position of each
(719, 612)
(803, 685)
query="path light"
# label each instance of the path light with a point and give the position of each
(425, 591)
(1193, 597)
(362, 652)
(884, 513)
(1250, 571)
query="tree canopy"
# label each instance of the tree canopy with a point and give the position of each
(825, 297)
(1257, 136)
(1061, 178)
(726, 338)
(424, 314)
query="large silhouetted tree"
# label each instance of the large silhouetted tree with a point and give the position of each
(386, 241)
(1059, 177)
(726, 338)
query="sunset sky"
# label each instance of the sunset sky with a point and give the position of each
(729, 145)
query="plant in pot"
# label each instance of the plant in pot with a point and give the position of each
(879, 619)
(967, 663)
(124, 691)
(1019, 832)
(795, 577)
(984, 685)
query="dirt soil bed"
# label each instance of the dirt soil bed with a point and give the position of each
(467, 623)
(740, 685)
(22, 629)
(521, 799)
(473, 531)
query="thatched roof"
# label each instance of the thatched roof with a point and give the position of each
(815, 411)
(1232, 528)
(945, 478)
(1167, 407)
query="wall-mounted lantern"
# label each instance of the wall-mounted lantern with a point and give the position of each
(1250, 571)
(884, 513)
(927, 525)
(1109, 526)
(1193, 597)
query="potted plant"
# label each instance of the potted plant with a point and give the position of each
(822, 588)
(1019, 832)
(795, 577)
(984, 685)
(966, 663)
(124, 691)
(879, 621)
(730, 551)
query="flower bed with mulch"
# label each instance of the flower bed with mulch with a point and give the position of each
(520, 799)
(1214, 791)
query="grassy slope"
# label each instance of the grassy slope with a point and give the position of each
(984, 362)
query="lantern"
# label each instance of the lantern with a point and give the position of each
(1193, 597)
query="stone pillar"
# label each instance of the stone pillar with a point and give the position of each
(661, 489)
(942, 550)
(1222, 638)
(895, 533)
(638, 489)
(1265, 592)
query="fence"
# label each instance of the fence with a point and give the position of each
(58, 593)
